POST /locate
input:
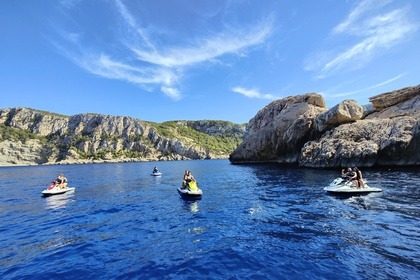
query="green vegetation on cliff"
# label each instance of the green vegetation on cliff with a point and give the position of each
(217, 144)
(17, 134)
(86, 137)
(47, 113)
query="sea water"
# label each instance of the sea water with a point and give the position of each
(253, 222)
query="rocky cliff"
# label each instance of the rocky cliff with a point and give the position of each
(30, 136)
(301, 130)
(278, 131)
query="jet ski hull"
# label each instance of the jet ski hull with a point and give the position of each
(341, 186)
(56, 191)
(186, 193)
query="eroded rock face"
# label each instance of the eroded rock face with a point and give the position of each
(34, 121)
(365, 143)
(30, 152)
(277, 132)
(87, 137)
(215, 128)
(392, 98)
(345, 112)
(410, 107)
(384, 134)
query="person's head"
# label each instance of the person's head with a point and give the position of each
(355, 169)
(349, 169)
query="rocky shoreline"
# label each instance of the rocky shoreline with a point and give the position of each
(33, 137)
(295, 131)
(300, 130)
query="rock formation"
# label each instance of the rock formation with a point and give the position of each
(50, 138)
(386, 100)
(345, 135)
(345, 112)
(296, 130)
(278, 132)
(365, 143)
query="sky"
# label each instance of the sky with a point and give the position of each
(166, 60)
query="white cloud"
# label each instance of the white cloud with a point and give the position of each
(106, 67)
(253, 93)
(129, 20)
(376, 32)
(74, 37)
(378, 85)
(362, 8)
(69, 4)
(145, 62)
(206, 49)
(171, 92)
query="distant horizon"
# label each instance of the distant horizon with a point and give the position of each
(161, 60)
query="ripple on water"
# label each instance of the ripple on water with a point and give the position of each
(253, 222)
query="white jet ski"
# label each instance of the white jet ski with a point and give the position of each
(190, 191)
(156, 174)
(342, 186)
(54, 189)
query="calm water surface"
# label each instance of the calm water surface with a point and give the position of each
(253, 222)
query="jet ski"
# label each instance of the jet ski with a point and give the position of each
(343, 186)
(54, 189)
(191, 191)
(156, 174)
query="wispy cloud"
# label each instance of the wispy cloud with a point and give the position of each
(205, 49)
(129, 20)
(69, 4)
(351, 93)
(143, 61)
(375, 31)
(253, 93)
(74, 37)
(171, 92)
(363, 7)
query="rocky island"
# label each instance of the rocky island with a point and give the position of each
(300, 130)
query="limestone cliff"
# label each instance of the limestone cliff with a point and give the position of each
(300, 131)
(278, 131)
(35, 137)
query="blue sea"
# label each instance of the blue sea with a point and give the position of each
(253, 222)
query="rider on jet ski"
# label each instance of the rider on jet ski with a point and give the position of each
(350, 175)
(188, 177)
(61, 181)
